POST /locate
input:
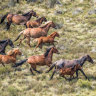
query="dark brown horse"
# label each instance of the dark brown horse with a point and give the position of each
(40, 60)
(36, 23)
(62, 63)
(18, 19)
(35, 32)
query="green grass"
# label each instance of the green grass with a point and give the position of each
(77, 38)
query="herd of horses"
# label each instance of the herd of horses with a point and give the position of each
(35, 30)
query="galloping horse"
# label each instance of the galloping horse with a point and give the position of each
(69, 71)
(35, 32)
(18, 19)
(48, 39)
(70, 63)
(41, 60)
(3, 45)
(36, 23)
(10, 57)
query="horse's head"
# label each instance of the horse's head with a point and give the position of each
(17, 51)
(56, 34)
(89, 59)
(33, 13)
(44, 19)
(54, 50)
(53, 25)
(10, 43)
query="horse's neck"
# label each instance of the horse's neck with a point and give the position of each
(46, 28)
(40, 20)
(82, 60)
(28, 16)
(14, 55)
(53, 36)
(50, 55)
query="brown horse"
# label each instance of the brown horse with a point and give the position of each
(69, 71)
(35, 32)
(18, 19)
(48, 39)
(41, 60)
(36, 23)
(10, 57)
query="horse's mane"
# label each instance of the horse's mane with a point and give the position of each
(39, 19)
(44, 25)
(12, 51)
(47, 52)
(25, 14)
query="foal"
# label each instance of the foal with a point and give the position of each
(10, 57)
(48, 39)
(36, 23)
(69, 71)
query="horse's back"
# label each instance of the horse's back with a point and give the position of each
(36, 59)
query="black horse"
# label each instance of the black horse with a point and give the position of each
(70, 63)
(3, 45)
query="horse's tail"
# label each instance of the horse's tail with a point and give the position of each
(20, 63)
(3, 18)
(18, 36)
(52, 66)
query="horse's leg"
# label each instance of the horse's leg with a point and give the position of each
(28, 41)
(84, 74)
(77, 74)
(3, 64)
(34, 68)
(53, 74)
(32, 71)
(21, 40)
(8, 25)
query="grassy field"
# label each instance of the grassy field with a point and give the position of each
(77, 37)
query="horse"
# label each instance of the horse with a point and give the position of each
(69, 71)
(48, 39)
(36, 23)
(4, 44)
(35, 32)
(10, 57)
(40, 60)
(70, 63)
(17, 19)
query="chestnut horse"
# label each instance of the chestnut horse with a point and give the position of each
(70, 63)
(4, 44)
(69, 71)
(35, 32)
(10, 57)
(36, 23)
(18, 19)
(48, 39)
(41, 60)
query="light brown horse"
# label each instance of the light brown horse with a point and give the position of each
(35, 32)
(36, 23)
(69, 71)
(18, 19)
(48, 39)
(40, 60)
(10, 57)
